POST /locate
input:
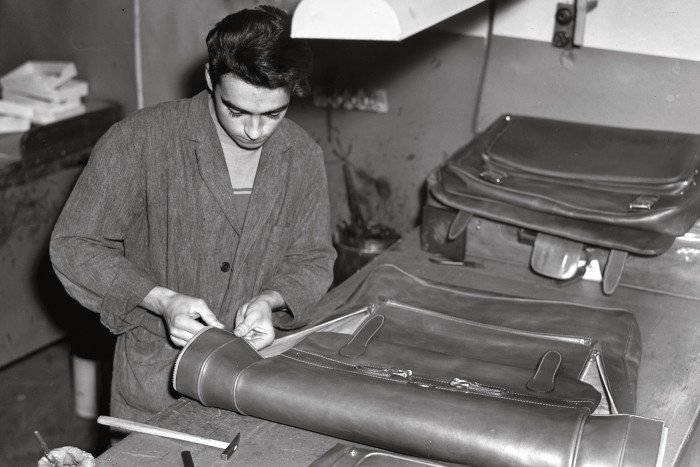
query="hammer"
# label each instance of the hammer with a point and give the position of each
(228, 448)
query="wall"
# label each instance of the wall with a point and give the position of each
(95, 34)
(431, 78)
(98, 36)
(432, 82)
(172, 42)
(638, 68)
(631, 72)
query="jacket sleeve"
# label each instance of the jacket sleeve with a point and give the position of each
(306, 270)
(87, 243)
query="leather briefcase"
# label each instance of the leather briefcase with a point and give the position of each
(630, 191)
(442, 373)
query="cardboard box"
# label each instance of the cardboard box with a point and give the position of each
(12, 124)
(16, 109)
(52, 81)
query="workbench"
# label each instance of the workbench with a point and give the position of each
(668, 386)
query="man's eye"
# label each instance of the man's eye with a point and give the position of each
(274, 116)
(233, 113)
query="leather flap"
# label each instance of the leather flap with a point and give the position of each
(594, 154)
(557, 257)
(613, 270)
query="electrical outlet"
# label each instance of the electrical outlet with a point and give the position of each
(373, 100)
(564, 21)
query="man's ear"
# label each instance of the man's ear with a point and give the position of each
(207, 77)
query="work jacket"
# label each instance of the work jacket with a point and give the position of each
(154, 207)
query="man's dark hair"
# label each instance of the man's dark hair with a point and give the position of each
(255, 45)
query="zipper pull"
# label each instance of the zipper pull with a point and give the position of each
(460, 383)
(400, 373)
(473, 386)
(405, 374)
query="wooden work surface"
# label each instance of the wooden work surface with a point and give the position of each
(668, 386)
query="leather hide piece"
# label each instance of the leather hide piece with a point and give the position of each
(471, 379)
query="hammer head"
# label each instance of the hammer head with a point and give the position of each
(231, 448)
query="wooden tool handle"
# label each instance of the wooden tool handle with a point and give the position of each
(153, 430)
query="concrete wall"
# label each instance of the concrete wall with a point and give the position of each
(95, 34)
(432, 82)
(638, 68)
(98, 36)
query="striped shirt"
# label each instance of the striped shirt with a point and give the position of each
(242, 166)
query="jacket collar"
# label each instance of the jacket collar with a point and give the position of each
(270, 179)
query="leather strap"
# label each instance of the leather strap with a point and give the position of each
(543, 379)
(459, 224)
(613, 270)
(558, 258)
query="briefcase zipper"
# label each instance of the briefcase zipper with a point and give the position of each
(558, 337)
(462, 385)
(406, 376)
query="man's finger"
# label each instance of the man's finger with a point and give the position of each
(244, 328)
(210, 318)
(240, 315)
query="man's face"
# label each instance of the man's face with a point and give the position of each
(250, 115)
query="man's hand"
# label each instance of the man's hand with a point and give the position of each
(181, 313)
(254, 319)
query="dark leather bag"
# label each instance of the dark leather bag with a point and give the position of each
(441, 373)
(631, 191)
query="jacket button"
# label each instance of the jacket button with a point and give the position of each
(225, 266)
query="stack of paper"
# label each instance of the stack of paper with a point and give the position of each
(40, 93)
(14, 117)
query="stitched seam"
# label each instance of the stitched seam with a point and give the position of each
(543, 335)
(491, 297)
(628, 343)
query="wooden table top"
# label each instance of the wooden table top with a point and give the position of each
(667, 386)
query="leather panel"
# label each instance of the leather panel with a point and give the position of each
(611, 236)
(615, 329)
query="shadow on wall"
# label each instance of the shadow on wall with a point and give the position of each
(193, 80)
(87, 337)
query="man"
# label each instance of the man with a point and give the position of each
(205, 211)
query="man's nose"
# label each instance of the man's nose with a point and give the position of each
(253, 128)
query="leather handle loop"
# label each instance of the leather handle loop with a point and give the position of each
(546, 372)
(358, 343)
(459, 224)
